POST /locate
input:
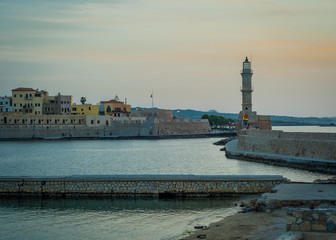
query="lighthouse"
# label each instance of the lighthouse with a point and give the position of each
(246, 88)
(246, 117)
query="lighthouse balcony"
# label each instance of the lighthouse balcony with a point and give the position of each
(246, 70)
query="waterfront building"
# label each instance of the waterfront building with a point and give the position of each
(20, 119)
(57, 105)
(28, 100)
(66, 102)
(5, 104)
(248, 118)
(84, 109)
(115, 108)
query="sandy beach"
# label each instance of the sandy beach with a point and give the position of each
(247, 226)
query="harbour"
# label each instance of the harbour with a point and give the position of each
(121, 218)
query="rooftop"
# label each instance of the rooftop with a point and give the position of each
(111, 101)
(23, 89)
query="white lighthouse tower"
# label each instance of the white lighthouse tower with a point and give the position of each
(246, 88)
(246, 116)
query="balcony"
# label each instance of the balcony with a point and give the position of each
(246, 71)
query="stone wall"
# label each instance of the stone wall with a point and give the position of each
(161, 114)
(181, 126)
(116, 129)
(307, 220)
(298, 144)
(165, 185)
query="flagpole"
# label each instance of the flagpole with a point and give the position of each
(152, 104)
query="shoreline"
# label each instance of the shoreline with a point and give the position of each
(249, 225)
(154, 137)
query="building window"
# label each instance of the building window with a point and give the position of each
(14, 104)
(89, 108)
(21, 95)
(82, 109)
(91, 121)
(98, 121)
(15, 95)
(74, 109)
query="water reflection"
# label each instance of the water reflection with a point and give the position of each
(115, 204)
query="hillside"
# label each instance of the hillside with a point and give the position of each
(276, 120)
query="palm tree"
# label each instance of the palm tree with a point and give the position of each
(83, 100)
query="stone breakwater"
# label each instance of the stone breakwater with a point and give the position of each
(138, 185)
(309, 151)
(306, 220)
(297, 144)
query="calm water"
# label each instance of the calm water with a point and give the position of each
(121, 218)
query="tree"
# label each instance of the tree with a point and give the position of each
(217, 121)
(83, 100)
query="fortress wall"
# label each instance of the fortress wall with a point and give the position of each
(182, 126)
(308, 145)
(161, 114)
(155, 185)
(116, 129)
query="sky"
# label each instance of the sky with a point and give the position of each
(189, 53)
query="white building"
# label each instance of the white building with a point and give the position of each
(5, 104)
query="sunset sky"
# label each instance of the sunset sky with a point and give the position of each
(189, 53)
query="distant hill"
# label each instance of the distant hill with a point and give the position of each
(276, 120)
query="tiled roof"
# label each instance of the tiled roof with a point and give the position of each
(23, 89)
(111, 101)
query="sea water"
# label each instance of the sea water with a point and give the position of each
(121, 218)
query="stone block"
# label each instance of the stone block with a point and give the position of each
(305, 226)
(290, 220)
(295, 227)
(319, 227)
(331, 226)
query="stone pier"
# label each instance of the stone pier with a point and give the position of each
(138, 185)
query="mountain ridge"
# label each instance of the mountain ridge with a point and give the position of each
(277, 120)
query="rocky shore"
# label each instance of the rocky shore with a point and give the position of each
(290, 211)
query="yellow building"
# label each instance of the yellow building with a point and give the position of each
(28, 100)
(85, 109)
(116, 108)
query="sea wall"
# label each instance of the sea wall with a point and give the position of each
(307, 220)
(298, 144)
(117, 128)
(137, 185)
